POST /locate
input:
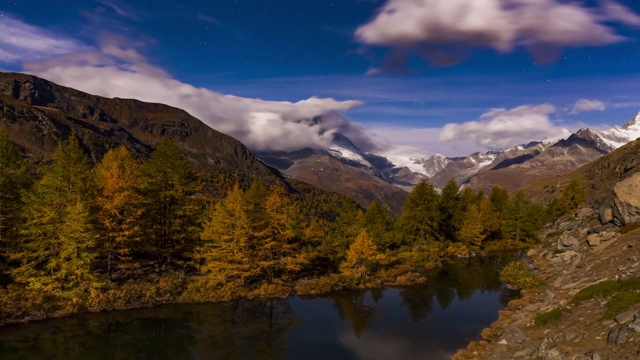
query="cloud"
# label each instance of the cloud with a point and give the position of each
(444, 31)
(499, 129)
(117, 70)
(21, 41)
(583, 105)
(120, 9)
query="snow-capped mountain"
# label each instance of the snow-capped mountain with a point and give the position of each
(343, 149)
(621, 135)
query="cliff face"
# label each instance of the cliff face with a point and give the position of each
(37, 114)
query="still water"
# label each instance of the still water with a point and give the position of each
(429, 321)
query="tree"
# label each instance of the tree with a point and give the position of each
(451, 211)
(57, 247)
(472, 231)
(573, 195)
(346, 228)
(362, 258)
(171, 208)
(419, 221)
(377, 222)
(120, 209)
(514, 219)
(276, 251)
(14, 180)
(225, 254)
(499, 199)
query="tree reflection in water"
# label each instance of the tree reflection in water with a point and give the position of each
(347, 325)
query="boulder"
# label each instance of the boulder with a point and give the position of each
(625, 317)
(593, 240)
(568, 241)
(618, 335)
(626, 204)
(605, 215)
(568, 255)
(601, 228)
(584, 212)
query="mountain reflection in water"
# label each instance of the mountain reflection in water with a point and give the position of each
(428, 321)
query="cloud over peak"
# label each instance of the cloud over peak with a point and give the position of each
(499, 129)
(443, 30)
(584, 105)
(117, 70)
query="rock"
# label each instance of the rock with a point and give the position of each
(605, 215)
(601, 228)
(574, 225)
(502, 342)
(568, 241)
(553, 354)
(607, 235)
(584, 212)
(532, 252)
(593, 355)
(618, 335)
(544, 347)
(634, 326)
(626, 204)
(593, 240)
(568, 255)
(625, 317)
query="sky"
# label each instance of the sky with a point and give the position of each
(408, 77)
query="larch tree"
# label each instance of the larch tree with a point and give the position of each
(276, 249)
(472, 231)
(14, 180)
(377, 222)
(224, 255)
(120, 209)
(172, 210)
(362, 259)
(58, 243)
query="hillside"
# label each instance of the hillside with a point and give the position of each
(38, 113)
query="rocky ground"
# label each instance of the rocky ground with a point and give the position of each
(576, 252)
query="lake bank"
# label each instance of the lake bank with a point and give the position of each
(450, 309)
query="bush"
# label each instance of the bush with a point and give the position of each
(321, 285)
(547, 317)
(602, 289)
(518, 275)
(621, 302)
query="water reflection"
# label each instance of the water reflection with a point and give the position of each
(427, 321)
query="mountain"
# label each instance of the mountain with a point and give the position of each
(38, 113)
(343, 168)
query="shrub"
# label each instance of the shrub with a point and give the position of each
(321, 285)
(602, 289)
(518, 275)
(547, 317)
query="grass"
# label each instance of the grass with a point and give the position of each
(620, 302)
(602, 289)
(547, 317)
(554, 234)
(631, 284)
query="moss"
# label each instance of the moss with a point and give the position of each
(547, 317)
(620, 302)
(602, 289)
(631, 284)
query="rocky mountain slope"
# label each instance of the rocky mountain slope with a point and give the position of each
(37, 114)
(597, 243)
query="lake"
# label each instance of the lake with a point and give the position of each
(429, 321)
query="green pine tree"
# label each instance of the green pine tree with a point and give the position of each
(57, 246)
(419, 221)
(172, 209)
(14, 180)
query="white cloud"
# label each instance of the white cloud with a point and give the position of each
(117, 70)
(443, 30)
(21, 41)
(501, 128)
(584, 105)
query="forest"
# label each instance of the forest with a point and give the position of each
(129, 232)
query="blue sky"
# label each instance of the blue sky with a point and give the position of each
(399, 70)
